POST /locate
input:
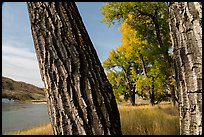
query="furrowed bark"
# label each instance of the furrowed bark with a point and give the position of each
(79, 95)
(186, 35)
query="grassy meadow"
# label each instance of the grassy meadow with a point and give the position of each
(149, 120)
(135, 120)
(42, 129)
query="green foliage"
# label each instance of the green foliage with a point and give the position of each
(120, 68)
(139, 16)
(139, 46)
(117, 81)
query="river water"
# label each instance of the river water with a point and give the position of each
(16, 116)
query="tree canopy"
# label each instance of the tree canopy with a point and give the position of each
(143, 58)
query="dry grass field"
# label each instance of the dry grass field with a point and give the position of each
(135, 120)
(149, 120)
(43, 129)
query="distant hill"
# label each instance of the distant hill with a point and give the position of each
(21, 91)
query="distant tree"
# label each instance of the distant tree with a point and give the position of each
(136, 65)
(120, 69)
(185, 20)
(150, 20)
(119, 85)
(79, 95)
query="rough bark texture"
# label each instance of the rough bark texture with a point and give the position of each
(186, 35)
(79, 95)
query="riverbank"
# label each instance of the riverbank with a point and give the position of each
(21, 91)
(31, 101)
(7, 100)
(135, 120)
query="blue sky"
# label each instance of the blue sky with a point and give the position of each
(19, 61)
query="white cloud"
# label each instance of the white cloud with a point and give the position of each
(20, 64)
(16, 51)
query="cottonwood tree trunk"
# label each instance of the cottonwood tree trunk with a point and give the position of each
(131, 88)
(79, 95)
(186, 35)
(151, 93)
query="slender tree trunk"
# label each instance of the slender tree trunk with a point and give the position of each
(152, 99)
(133, 95)
(129, 86)
(79, 95)
(167, 58)
(186, 35)
(143, 65)
(173, 96)
(145, 75)
(131, 92)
